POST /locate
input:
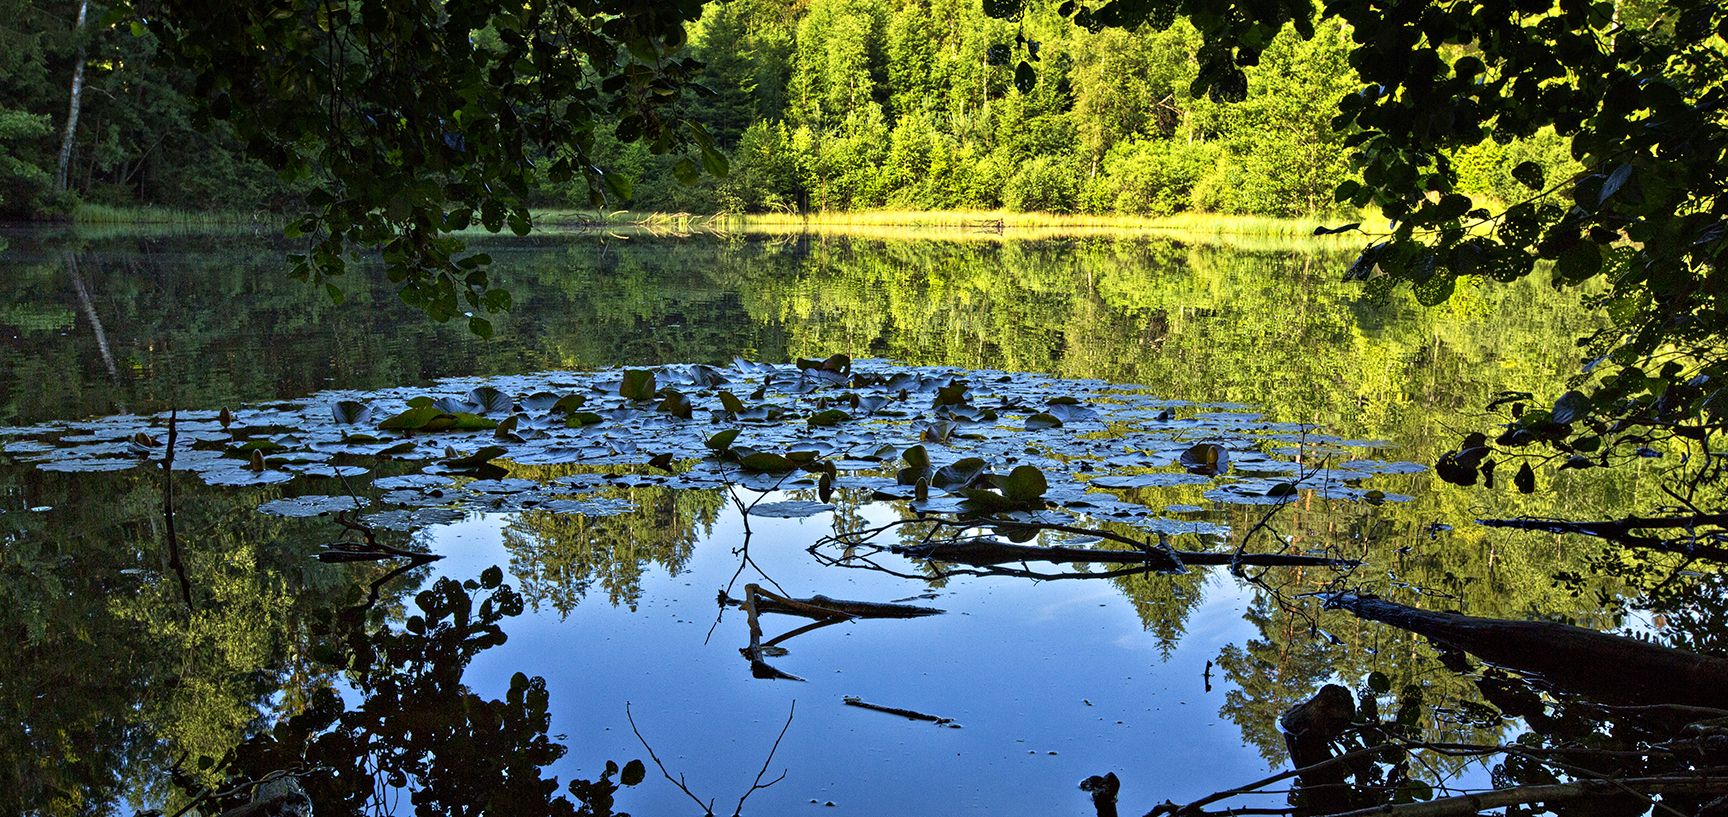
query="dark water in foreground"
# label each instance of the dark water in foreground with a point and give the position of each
(1173, 682)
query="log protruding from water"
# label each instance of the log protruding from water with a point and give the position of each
(1607, 668)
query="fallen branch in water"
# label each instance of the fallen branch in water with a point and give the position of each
(823, 607)
(986, 551)
(1707, 545)
(910, 714)
(174, 561)
(988, 556)
(1609, 668)
(823, 610)
(1463, 804)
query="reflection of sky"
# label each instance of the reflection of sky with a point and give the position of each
(1052, 681)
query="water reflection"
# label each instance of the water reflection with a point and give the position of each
(108, 682)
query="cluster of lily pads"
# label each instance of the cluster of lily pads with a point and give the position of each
(942, 439)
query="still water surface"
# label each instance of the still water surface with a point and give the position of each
(1173, 682)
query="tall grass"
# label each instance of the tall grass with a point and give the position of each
(152, 214)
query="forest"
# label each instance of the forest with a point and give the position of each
(818, 105)
(1181, 407)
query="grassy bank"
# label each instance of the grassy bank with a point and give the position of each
(103, 214)
(1241, 232)
(1006, 220)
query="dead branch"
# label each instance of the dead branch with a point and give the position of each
(1624, 532)
(1194, 808)
(1609, 668)
(910, 714)
(708, 807)
(1547, 794)
(986, 551)
(174, 561)
(823, 607)
(755, 785)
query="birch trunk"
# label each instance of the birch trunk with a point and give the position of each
(72, 108)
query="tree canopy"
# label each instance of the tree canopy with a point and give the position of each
(422, 118)
(1638, 88)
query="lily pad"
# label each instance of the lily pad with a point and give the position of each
(1157, 480)
(791, 509)
(300, 507)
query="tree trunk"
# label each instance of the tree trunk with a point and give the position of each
(66, 139)
(1611, 669)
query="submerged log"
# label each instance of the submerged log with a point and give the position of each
(1611, 669)
(909, 714)
(984, 551)
(821, 607)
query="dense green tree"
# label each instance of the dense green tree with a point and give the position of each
(1638, 89)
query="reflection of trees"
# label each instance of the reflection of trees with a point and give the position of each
(197, 328)
(105, 679)
(559, 557)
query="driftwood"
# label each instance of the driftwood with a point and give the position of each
(823, 607)
(910, 714)
(1611, 669)
(985, 551)
(823, 610)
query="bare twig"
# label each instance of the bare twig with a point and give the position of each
(708, 807)
(757, 784)
(174, 561)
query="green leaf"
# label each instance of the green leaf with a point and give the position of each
(413, 419)
(723, 440)
(638, 385)
(731, 403)
(1025, 485)
(578, 419)
(828, 417)
(1041, 421)
(568, 403)
(675, 404)
(480, 457)
(491, 577)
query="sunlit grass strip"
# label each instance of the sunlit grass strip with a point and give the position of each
(151, 214)
(1007, 220)
(1247, 233)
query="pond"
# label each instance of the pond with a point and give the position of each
(1326, 400)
